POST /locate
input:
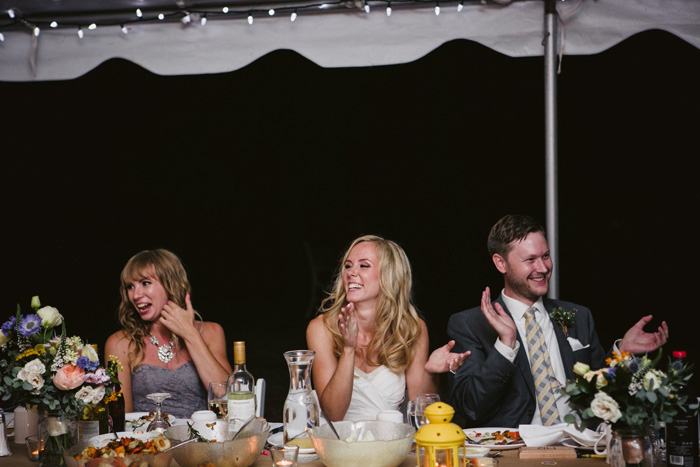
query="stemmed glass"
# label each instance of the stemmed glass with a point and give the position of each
(159, 422)
(416, 409)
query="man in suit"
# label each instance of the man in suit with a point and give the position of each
(495, 386)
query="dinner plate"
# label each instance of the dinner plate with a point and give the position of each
(277, 439)
(477, 433)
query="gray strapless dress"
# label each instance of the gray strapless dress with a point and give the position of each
(186, 389)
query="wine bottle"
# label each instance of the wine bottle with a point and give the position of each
(116, 410)
(682, 432)
(240, 393)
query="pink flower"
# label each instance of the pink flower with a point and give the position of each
(68, 377)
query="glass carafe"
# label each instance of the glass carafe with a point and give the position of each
(301, 409)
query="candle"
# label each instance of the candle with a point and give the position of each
(283, 463)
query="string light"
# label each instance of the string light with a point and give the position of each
(202, 16)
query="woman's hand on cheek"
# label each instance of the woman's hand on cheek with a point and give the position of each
(178, 320)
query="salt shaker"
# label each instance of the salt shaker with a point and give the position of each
(4, 446)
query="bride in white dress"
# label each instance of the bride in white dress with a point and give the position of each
(371, 344)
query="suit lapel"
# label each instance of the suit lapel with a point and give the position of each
(567, 353)
(521, 361)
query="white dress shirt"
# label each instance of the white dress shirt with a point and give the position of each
(517, 310)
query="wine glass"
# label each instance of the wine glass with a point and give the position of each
(159, 422)
(216, 399)
(416, 409)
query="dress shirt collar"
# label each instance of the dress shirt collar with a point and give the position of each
(518, 308)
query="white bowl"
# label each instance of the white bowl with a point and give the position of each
(389, 447)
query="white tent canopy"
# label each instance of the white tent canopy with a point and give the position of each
(349, 39)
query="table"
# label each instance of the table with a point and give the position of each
(19, 458)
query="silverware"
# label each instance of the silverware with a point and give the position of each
(494, 454)
(245, 424)
(330, 423)
(179, 444)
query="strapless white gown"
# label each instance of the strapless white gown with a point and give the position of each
(382, 389)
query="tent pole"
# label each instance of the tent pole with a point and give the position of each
(550, 117)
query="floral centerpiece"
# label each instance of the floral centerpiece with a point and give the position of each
(630, 395)
(40, 366)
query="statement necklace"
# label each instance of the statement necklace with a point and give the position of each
(165, 351)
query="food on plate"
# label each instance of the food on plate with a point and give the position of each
(498, 437)
(143, 421)
(303, 443)
(125, 447)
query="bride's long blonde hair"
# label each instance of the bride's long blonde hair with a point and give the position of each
(397, 321)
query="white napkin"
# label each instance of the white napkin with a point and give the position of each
(539, 435)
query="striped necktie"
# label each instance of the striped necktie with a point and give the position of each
(541, 369)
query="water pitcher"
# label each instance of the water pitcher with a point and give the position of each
(301, 409)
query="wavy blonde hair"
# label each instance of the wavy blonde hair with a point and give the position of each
(397, 321)
(168, 269)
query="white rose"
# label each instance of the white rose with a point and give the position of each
(35, 366)
(90, 395)
(652, 380)
(50, 316)
(35, 379)
(89, 352)
(605, 407)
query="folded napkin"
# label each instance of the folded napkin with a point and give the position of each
(538, 435)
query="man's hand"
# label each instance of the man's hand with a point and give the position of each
(499, 320)
(637, 341)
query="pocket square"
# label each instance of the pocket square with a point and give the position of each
(576, 344)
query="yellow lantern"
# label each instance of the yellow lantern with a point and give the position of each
(440, 443)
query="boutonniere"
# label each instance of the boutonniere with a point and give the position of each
(563, 318)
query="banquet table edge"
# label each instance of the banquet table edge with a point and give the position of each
(19, 458)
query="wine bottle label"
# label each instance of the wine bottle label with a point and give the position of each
(241, 406)
(88, 429)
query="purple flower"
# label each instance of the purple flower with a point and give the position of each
(29, 325)
(87, 364)
(9, 325)
(98, 377)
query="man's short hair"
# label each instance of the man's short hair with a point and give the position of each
(509, 229)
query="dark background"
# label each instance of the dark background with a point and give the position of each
(259, 179)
